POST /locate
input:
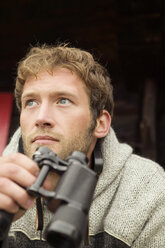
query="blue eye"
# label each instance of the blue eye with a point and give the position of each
(64, 101)
(31, 103)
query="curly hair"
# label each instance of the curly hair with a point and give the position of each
(94, 75)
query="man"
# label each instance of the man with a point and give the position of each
(65, 102)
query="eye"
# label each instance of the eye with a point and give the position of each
(64, 101)
(30, 103)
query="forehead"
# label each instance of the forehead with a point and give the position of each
(48, 73)
(58, 79)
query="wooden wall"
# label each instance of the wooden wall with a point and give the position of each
(127, 36)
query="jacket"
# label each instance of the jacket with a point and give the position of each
(128, 208)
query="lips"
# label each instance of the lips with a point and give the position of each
(44, 139)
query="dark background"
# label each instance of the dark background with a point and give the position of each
(127, 36)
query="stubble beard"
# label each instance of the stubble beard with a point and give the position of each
(80, 142)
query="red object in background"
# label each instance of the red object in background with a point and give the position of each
(6, 102)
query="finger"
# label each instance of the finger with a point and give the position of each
(16, 193)
(7, 204)
(21, 160)
(51, 181)
(17, 174)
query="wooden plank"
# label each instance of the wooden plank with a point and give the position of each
(6, 101)
(147, 126)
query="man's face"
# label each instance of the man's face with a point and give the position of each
(55, 113)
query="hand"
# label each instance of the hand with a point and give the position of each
(17, 172)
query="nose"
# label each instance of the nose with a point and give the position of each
(44, 117)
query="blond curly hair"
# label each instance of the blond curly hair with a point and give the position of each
(94, 75)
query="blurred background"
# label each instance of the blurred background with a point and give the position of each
(127, 36)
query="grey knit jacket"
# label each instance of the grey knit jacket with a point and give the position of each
(128, 208)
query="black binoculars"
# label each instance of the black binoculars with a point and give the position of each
(70, 201)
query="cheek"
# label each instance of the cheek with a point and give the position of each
(79, 123)
(24, 122)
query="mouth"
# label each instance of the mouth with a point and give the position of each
(46, 140)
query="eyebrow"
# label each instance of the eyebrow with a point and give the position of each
(52, 94)
(27, 95)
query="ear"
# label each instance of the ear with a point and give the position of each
(103, 125)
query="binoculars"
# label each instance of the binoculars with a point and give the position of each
(70, 201)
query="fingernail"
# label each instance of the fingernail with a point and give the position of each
(37, 173)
